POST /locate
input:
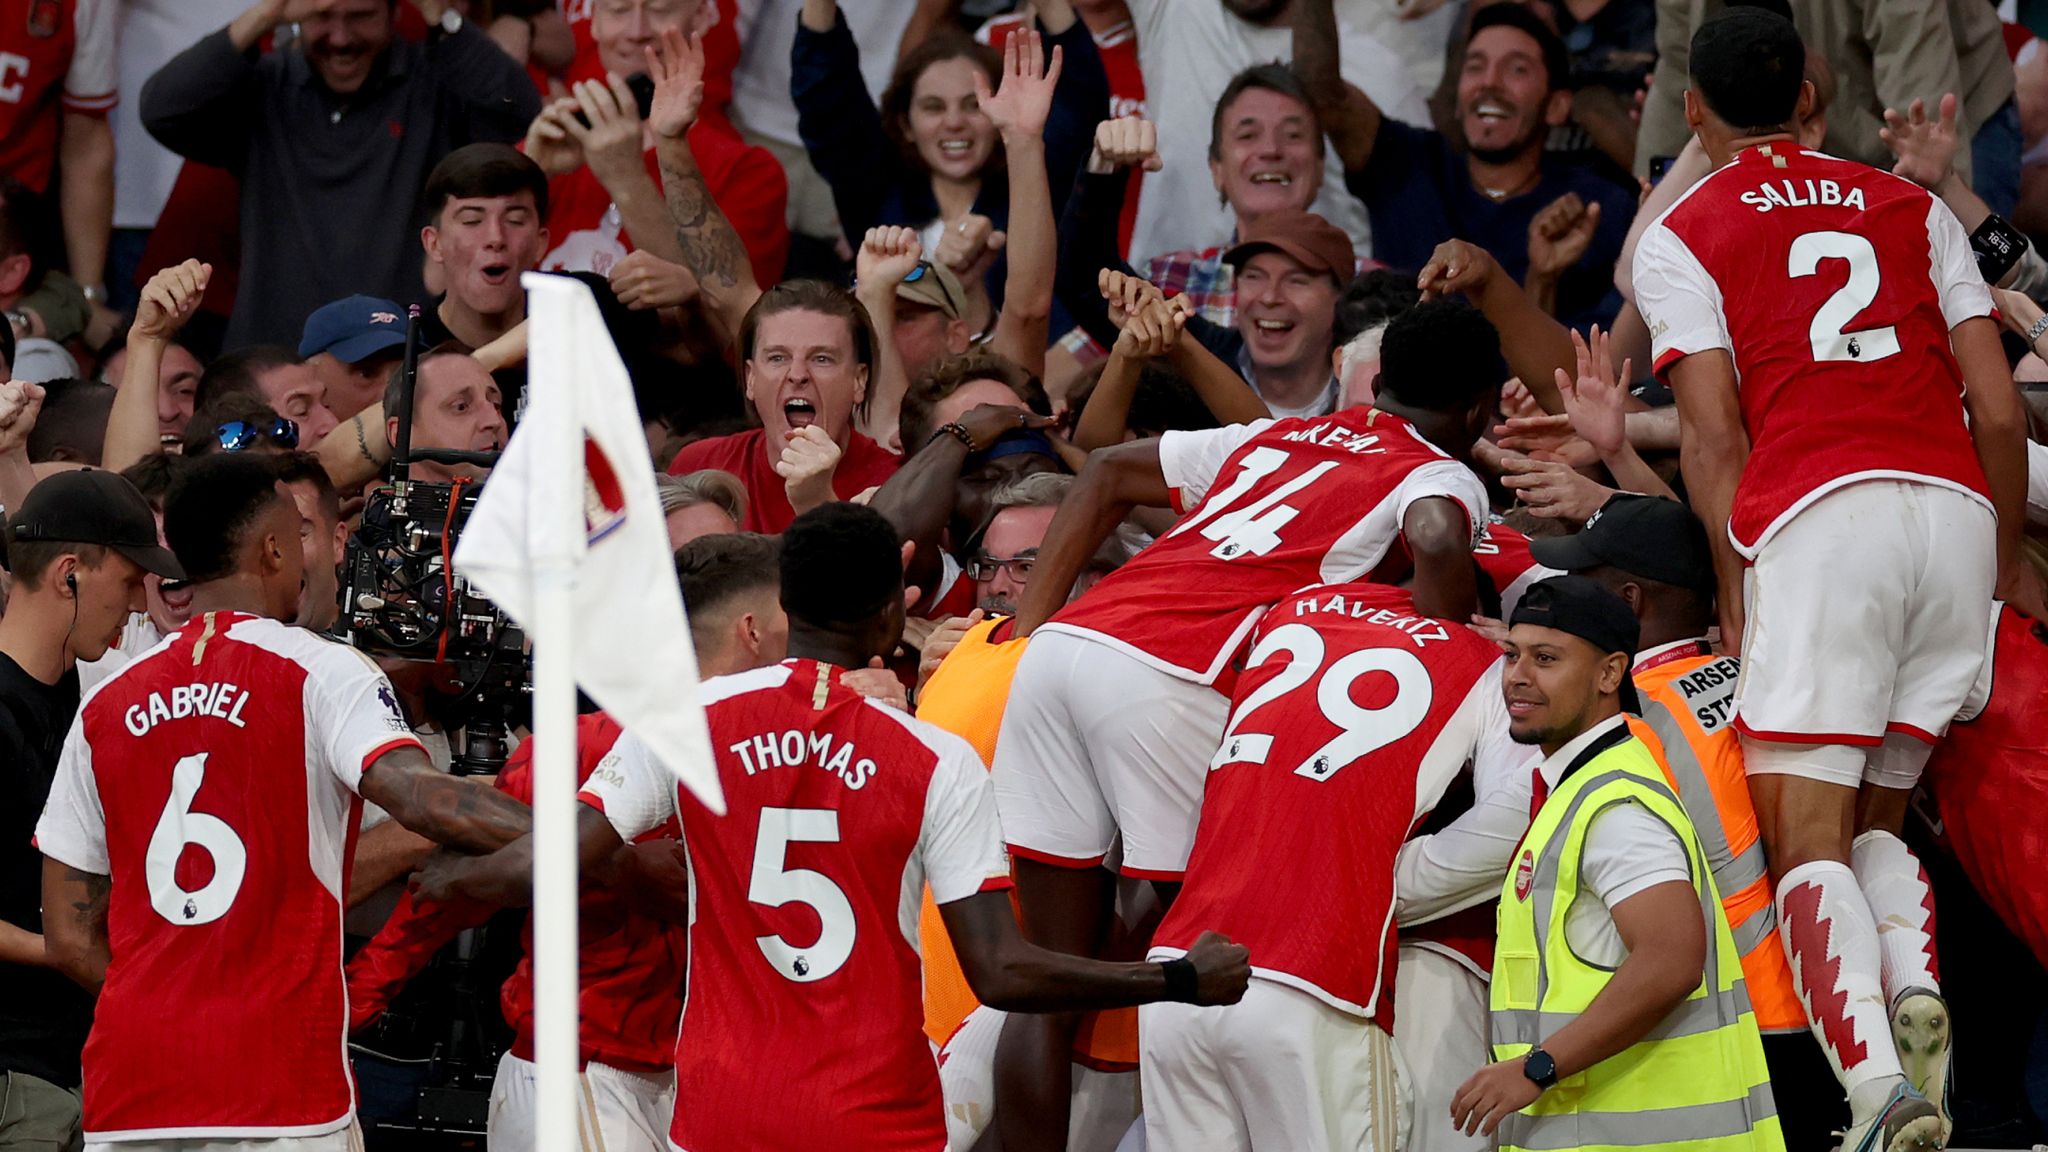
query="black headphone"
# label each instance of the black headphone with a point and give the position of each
(71, 582)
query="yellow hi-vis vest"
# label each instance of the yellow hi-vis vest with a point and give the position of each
(1697, 1082)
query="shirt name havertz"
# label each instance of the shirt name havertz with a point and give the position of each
(1420, 629)
(794, 748)
(1336, 436)
(1802, 194)
(220, 700)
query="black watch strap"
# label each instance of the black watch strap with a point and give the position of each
(1540, 1068)
(1182, 984)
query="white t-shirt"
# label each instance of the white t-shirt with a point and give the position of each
(767, 28)
(149, 33)
(2037, 483)
(1188, 51)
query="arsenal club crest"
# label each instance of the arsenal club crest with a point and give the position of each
(1525, 874)
(604, 498)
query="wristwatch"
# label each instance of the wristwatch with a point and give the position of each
(1540, 1068)
(451, 21)
(95, 293)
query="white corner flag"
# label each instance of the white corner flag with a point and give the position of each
(575, 490)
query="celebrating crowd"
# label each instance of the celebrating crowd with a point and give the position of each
(1268, 574)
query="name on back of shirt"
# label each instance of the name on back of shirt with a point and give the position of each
(1337, 436)
(794, 748)
(1421, 629)
(1802, 194)
(220, 700)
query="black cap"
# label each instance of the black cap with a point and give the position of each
(1580, 606)
(92, 506)
(1645, 536)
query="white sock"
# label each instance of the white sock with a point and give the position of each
(1901, 901)
(1831, 943)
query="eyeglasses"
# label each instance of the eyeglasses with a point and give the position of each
(239, 435)
(1019, 567)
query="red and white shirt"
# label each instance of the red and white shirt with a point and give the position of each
(214, 780)
(56, 56)
(804, 1026)
(1503, 554)
(1353, 714)
(1271, 506)
(1833, 286)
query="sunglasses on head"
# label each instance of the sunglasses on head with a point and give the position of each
(238, 435)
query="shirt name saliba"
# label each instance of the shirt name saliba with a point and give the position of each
(1802, 194)
(793, 748)
(220, 700)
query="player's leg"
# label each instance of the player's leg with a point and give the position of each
(1440, 1032)
(1184, 1064)
(632, 1111)
(1067, 910)
(1105, 1108)
(509, 1125)
(967, 1076)
(1153, 744)
(1309, 1076)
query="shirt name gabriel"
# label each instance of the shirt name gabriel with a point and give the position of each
(224, 701)
(1801, 194)
(792, 749)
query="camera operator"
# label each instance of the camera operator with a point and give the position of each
(80, 544)
(455, 404)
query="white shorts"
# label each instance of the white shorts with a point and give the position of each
(1105, 1104)
(1278, 1069)
(1866, 615)
(1095, 743)
(349, 1139)
(618, 1111)
(1440, 1030)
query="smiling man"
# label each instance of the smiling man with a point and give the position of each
(807, 349)
(331, 134)
(1421, 189)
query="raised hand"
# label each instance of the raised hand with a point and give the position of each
(1125, 293)
(987, 423)
(1560, 234)
(1550, 436)
(887, 254)
(941, 642)
(1019, 106)
(1153, 329)
(970, 246)
(1550, 488)
(169, 300)
(643, 280)
(1456, 266)
(676, 64)
(608, 131)
(1127, 142)
(809, 458)
(549, 143)
(1593, 402)
(19, 405)
(1925, 150)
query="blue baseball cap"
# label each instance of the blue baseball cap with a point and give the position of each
(354, 329)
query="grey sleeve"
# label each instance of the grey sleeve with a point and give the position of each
(494, 91)
(206, 102)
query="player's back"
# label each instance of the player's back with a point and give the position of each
(804, 1022)
(1836, 287)
(228, 817)
(1270, 507)
(1352, 715)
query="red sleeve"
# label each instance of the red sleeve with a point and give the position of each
(400, 950)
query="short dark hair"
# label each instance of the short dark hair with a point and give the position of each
(211, 508)
(234, 374)
(717, 569)
(1269, 77)
(1747, 65)
(1373, 299)
(914, 421)
(476, 171)
(1557, 62)
(202, 432)
(1440, 356)
(28, 560)
(812, 296)
(841, 564)
(153, 476)
(944, 44)
(397, 376)
(305, 468)
(72, 426)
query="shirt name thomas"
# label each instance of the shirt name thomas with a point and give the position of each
(793, 748)
(1801, 194)
(221, 700)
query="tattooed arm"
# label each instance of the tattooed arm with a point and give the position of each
(711, 246)
(467, 815)
(75, 922)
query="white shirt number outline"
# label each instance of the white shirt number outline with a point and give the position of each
(1360, 731)
(1253, 530)
(774, 886)
(1829, 334)
(179, 826)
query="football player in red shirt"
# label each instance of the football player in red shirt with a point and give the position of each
(1826, 332)
(198, 834)
(804, 1023)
